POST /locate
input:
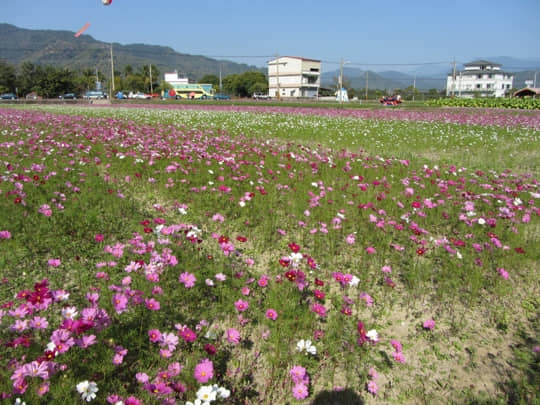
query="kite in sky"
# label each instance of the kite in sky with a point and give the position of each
(106, 2)
(84, 28)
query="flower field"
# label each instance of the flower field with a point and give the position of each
(241, 255)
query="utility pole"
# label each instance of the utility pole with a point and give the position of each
(151, 88)
(112, 74)
(340, 92)
(414, 86)
(454, 79)
(220, 77)
(367, 82)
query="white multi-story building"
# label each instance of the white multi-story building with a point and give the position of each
(291, 76)
(479, 78)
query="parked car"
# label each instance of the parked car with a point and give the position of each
(261, 96)
(68, 96)
(95, 95)
(139, 95)
(220, 96)
(8, 96)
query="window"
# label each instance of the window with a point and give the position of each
(479, 76)
(478, 86)
(488, 86)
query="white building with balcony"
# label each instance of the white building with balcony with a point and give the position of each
(479, 78)
(290, 76)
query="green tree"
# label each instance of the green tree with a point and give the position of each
(134, 82)
(243, 84)
(210, 79)
(8, 77)
(27, 78)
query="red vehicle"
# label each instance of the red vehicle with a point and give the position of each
(393, 100)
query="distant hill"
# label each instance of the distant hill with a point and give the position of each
(62, 49)
(429, 77)
(389, 80)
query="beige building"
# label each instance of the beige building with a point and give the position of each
(291, 76)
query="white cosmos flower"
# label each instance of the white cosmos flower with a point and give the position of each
(373, 335)
(87, 389)
(207, 393)
(307, 346)
(354, 281)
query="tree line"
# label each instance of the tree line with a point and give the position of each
(51, 81)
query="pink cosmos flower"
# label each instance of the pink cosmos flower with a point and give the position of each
(263, 281)
(503, 273)
(370, 250)
(396, 345)
(152, 304)
(39, 323)
(5, 235)
(297, 374)
(233, 336)
(429, 324)
(350, 239)
(399, 357)
(318, 309)
(372, 387)
(120, 303)
(54, 262)
(300, 391)
(187, 279)
(386, 269)
(142, 377)
(204, 371)
(45, 209)
(99, 237)
(271, 314)
(241, 305)
(43, 389)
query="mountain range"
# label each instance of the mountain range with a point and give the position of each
(63, 49)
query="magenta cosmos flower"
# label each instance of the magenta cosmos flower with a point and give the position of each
(241, 305)
(271, 314)
(204, 371)
(429, 324)
(187, 279)
(300, 391)
(233, 336)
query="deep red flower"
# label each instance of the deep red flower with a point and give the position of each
(519, 250)
(420, 251)
(240, 238)
(318, 282)
(210, 349)
(284, 261)
(294, 247)
(291, 275)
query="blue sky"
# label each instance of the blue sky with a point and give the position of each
(374, 32)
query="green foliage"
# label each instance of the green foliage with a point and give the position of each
(245, 84)
(7, 77)
(526, 103)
